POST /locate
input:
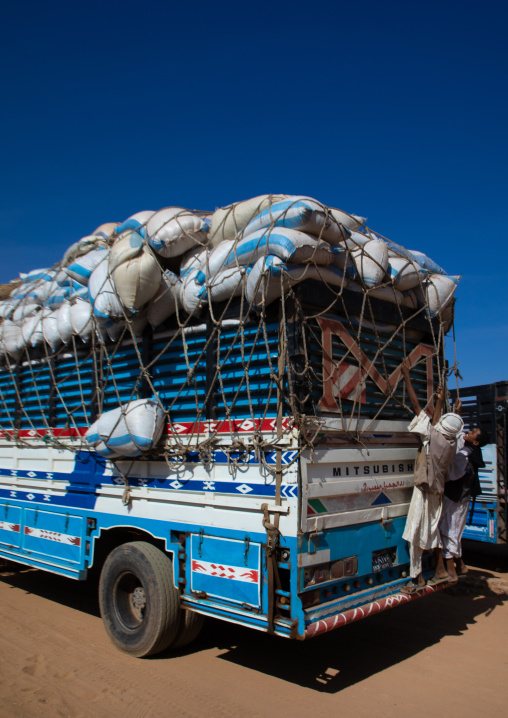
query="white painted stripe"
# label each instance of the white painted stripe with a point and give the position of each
(52, 536)
(4, 526)
(220, 570)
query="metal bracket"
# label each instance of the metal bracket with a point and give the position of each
(200, 545)
(314, 540)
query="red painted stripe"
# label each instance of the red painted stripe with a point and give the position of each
(369, 609)
(225, 426)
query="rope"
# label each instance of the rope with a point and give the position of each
(228, 357)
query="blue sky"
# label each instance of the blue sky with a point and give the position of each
(396, 111)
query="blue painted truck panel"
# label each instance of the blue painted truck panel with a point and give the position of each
(486, 406)
(339, 538)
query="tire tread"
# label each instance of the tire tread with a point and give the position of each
(166, 625)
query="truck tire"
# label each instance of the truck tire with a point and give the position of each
(190, 628)
(139, 604)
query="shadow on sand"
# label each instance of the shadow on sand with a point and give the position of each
(331, 662)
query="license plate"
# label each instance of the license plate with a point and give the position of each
(383, 559)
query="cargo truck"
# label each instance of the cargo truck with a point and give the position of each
(248, 511)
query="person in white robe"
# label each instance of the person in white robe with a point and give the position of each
(462, 484)
(439, 439)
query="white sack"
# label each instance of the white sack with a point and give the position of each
(426, 262)
(130, 430)
(103, 450)
(436, 292)
(138, 279)
(82, 267)
(356, 240)
(387, 294)
(127, 246)
(137, 222)
(290, 245)
(302, 213)
(11, 339)
(80, 318)
(105, 230)
(270, 277)
(195, 257)
(174, 230)
(81, 293)
(191, 294)
(38, 292)
(371, 262)
(58, 297)
(405, 273)
(7, 307)
(82, 247)
(165, 302)
(64, 322)
(224, 285)
(350, 221)
(93, 440)
(213, 261)
(23, 310)
(31, 329)
(50, 330)
(103, 296)
(228, 222)
(62, 279)
(35, 286)
(208, 264)
(35, 274)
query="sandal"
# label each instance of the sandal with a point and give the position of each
(410, 588)
(435, 581)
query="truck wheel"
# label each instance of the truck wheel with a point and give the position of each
(140, 606)
(190, 628)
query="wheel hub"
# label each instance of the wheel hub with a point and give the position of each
(139, 599)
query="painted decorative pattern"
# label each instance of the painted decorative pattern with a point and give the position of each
(5, 526)
(370, 609)
(223, 571)
(52, 536)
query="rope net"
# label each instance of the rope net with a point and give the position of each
(246, 328)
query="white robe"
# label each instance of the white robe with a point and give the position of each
(422, 526)
(454, 514)
(452, 525)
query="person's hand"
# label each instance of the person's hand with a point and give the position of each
(457, 406)
(440, 392)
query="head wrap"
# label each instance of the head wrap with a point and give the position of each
(450, 425)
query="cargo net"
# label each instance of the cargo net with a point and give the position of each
(178, 331)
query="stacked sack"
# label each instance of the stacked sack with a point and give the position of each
(48, 306)
(157, 263)
(129, 430)
(263, 246)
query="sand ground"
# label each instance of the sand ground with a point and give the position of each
(447, 654)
